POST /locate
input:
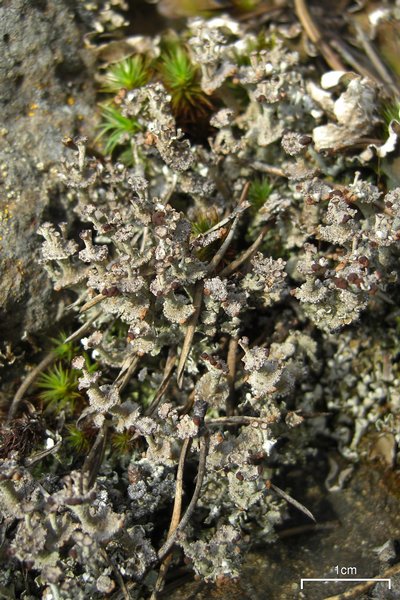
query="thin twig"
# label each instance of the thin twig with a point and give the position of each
(187, 407)
(94, 459)
(231, 362)
(27, 382)
(269, 169)
(292, 501)
(168, 370)
(262, 10)
(170, 191)
(78, 301)
(191, 328)
(34, 458)
(308, 528)
(351, 59)
(245, 255)
(241, 207)
(126, 371)
(176, 584)
(357, 590)
(219, 255)
(83, 329)
(241, 420)
(144, 240)
(166, 547)
(375, 59)
(92, 302)
(360, 143)
(176, 515)
(117, 574)
(219, 225)
(243, 195)
(314, 34)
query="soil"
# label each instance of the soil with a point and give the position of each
(352, 526)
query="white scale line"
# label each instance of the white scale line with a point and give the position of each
(345, 579)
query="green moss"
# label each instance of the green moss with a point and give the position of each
(390, 112)
(204, 221)
(143, 394)
(181, 79)
(59, 388)
(179, 76)
(115, 128)
(130, 73)
(77, 439)
(64, 350)
(246, 5)
(259, 191)
(121, 442)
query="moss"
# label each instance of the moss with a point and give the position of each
(59, 388)
(130, 73)
(122, 442)
(181, 78)
(390, 112)
(77, 439)
(115, 129)
(64, 350)
(259, 192)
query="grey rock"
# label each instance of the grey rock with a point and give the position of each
(46, 93)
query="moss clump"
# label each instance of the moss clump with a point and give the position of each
(59, 388)
(182, 80)
(128, 74)
(116, 129)
(259, 192)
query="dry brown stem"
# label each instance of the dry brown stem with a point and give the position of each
(176, 515)
(191, 328)
(166, 547)
(314, 34)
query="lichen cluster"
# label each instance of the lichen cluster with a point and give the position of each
(221, 278)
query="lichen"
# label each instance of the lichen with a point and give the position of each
(222, 277)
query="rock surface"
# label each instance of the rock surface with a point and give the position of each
(46, 92)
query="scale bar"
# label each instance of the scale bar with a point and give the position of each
(345, 579)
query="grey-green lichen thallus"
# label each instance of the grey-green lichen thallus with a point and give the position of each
(230, 259)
